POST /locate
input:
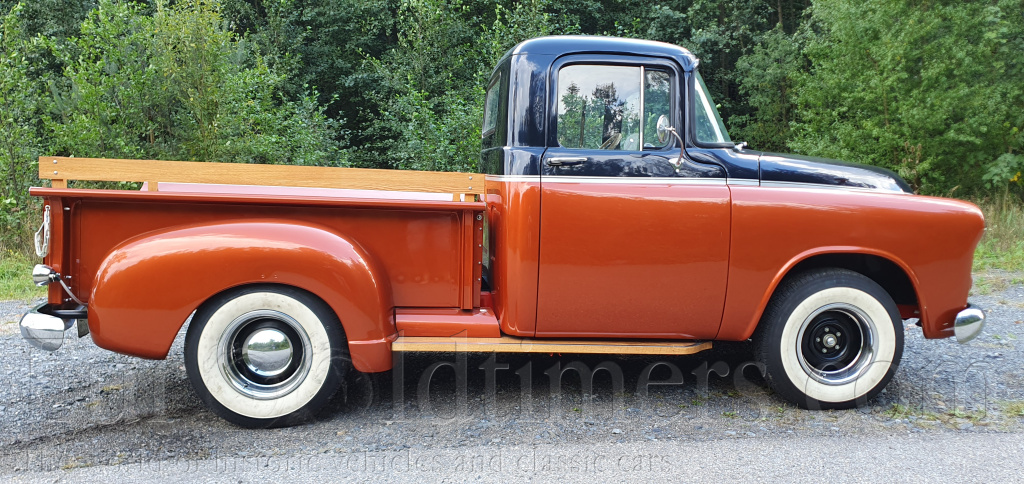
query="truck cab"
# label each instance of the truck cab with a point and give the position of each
(612, 210)
(570, 135)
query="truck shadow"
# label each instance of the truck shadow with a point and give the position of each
(460, 386)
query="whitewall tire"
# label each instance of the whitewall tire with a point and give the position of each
(830, 338)
(265, 356)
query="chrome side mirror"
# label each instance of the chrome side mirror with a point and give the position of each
(663, 130)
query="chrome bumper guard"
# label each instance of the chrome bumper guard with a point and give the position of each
(44, 326)
(968, 324)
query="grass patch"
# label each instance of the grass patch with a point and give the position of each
(1013, 409)
(897, 411)
(954, 419)
(973, 416)
(986, 283)
(1002, 246)
(16, 277)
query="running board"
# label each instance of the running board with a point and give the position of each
(512, 344)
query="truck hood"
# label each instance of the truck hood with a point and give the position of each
(779, 168)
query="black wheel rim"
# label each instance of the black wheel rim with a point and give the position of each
(836, 344)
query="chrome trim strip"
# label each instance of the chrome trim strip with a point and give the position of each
(747, 182)
(643, 78)
(513, 178)
(806, 185)
(623, 180)
(633, 180)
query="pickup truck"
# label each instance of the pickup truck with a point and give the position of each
(613, 214)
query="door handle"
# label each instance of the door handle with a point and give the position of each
(567, 161)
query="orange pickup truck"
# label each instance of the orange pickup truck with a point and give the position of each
(612, 214)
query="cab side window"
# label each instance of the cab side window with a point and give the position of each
(611, 107)
(491, 107)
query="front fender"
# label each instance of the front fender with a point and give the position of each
(932, 240)
(146, 287)
(739, 333)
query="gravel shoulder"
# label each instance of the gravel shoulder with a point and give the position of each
(87, 414)
(10, 314)
(980, 457)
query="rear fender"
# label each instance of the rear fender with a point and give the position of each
(146, 287)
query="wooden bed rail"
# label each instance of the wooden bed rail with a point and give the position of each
(60, 169)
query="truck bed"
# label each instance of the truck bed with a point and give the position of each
(370, 243)
(424, 246)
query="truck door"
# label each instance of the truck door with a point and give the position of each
(630, 245)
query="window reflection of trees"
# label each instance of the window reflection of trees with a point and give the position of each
(604, 118)
(594, 121)
(572, 118)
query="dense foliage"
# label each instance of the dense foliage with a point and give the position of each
(932, 89)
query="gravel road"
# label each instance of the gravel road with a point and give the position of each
(86, 414)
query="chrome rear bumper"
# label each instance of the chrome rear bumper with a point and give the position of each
(968, 324)
(44, 326)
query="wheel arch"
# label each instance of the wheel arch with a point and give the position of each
(885, 269)
(188, 266)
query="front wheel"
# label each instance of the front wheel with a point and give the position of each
(830, 338)
(265, 356)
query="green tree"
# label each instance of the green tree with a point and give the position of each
(227, 99)
(322, 46)
(21, 114)
(431, 111)
(766, 84)
(105, 108)
(720, 33)
(178, 85)
(931, 89)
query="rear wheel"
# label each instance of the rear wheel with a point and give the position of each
(830, 338)
(265, 356)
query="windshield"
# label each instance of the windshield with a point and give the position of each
(709, 128)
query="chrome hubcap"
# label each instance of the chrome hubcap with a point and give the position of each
(836, 344)
(267, 352)
(264, 354)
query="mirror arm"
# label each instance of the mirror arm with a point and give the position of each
(663, 130)
(682, 147)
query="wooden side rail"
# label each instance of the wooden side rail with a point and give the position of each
(60, 169)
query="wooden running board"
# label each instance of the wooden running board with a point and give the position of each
(512, 344)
